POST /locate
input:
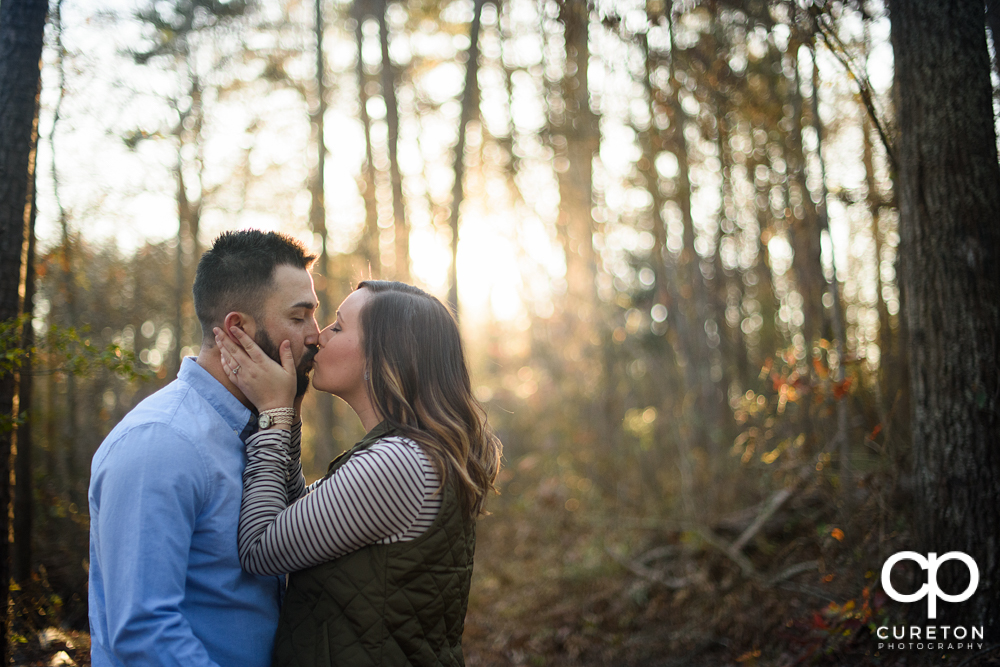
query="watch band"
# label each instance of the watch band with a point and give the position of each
(274, 416)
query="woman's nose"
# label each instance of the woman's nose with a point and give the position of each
(324, 335)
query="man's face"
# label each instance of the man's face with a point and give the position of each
(289, 313)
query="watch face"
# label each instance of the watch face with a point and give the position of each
(264, 421)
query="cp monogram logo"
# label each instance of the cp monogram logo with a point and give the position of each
(930, 590)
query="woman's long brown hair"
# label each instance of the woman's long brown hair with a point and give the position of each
(419, 382)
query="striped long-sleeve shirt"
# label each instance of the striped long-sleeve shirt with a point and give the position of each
(386, 493)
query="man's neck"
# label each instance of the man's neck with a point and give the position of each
(210, 359)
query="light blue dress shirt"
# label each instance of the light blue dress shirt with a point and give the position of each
(166, 586)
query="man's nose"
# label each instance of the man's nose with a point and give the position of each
(312, 338)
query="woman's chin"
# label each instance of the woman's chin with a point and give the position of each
(318, 385)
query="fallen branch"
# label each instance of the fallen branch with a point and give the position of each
(791, 571)
(734, 554)
(650, 574)
(808, 590)
(657, 553)
(772, 505)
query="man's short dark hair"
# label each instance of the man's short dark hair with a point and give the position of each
(237, 273)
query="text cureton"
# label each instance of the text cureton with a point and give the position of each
(929, 632)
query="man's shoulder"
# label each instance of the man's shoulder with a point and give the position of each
(170, 414)
(160, 408)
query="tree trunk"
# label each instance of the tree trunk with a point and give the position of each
(803, 226)
(651, 143)
(470, 104)
(993, 23)
(949, 196)
(22, 26)
(24, 442)
(181, 285)
(874, 201)
(188, 218)
(840, 439)
(369, 245)
(62, 450)
(323, 439)
(692, 307)
(401, 271)
(577, 132)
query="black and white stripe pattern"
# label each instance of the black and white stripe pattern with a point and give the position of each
(386, 493)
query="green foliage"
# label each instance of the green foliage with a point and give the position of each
(11, 352)
(80, 356)
(67, 350)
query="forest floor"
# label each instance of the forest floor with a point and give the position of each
(556, 588)
(559, 584)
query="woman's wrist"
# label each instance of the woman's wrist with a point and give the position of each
(283, 416)
(275, 405)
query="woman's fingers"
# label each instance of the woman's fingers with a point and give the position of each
(233, 356)
(228, 345)
(246, 342)
(287, 361)
(263, 382)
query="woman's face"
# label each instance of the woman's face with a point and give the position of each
(339, 365)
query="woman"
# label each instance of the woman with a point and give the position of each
(381, 548)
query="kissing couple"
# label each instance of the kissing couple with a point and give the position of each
(206, 546)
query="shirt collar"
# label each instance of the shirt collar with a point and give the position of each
(235, 414)
(378, 431)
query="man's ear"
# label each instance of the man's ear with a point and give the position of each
(240, 321)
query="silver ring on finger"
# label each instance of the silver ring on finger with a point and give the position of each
(237, 369)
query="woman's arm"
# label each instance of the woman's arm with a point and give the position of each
(377, 496)
(295, 483)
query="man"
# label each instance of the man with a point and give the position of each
(166, 586)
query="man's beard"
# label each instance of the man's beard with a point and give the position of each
(305, 363)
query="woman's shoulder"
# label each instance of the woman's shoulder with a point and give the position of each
(397, 445)
(401, 452)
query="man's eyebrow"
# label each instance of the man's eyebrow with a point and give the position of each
(309, 305)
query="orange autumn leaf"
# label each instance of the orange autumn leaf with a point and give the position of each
(837, 534)
(840, 388)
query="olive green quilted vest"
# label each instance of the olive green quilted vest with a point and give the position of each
(385, 604)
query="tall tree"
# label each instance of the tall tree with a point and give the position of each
(400, 225)
(470, 102)
(70, 443)
(369, 245)
(317, 220)
(949, 198)
(840, 439)
(804, 223)
(181, 38)
(576, 138)
(22, 28)
(24, 443)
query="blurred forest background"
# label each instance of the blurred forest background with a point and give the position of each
(670, 230)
